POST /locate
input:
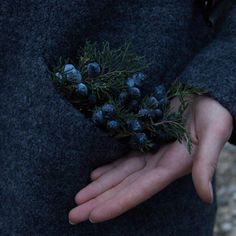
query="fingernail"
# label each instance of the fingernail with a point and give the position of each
(72, 223)
(211, 191)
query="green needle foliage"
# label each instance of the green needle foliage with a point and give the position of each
(117, 65)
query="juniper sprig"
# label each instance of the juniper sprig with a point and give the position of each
(106, 85)
(116, 66)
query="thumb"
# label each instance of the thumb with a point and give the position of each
(204, 164)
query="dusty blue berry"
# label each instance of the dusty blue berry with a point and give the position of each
(97, 117)
(108, 110)
(138, 140)
(164, 102)
(69, 68)
(78, 77)
(159, 113)
(72, 74)
(156, 114)
(133, 105)
(113, 124)
(134, 92)
(144, 113)
(58, 76)
(134, 125)
(93, 69)
(141, 138)
(159, 92)
(92, 99)
(152, 102)
(123, 97)
(138, 79)
(82, 90)
(130, 82)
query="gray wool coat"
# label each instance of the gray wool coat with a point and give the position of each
(48, 149)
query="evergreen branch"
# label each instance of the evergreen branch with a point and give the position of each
(117, 65)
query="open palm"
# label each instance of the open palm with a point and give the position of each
(127, 182)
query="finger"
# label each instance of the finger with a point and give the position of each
(144, 187)
(98, 172)
(110, 179)
(121, 169)
(95, 174)
(204, 164)
(126, 199)
(82, 212)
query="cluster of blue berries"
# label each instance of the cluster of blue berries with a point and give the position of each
(72, 76)
(129, 115)
(143, 111)
(108, 86)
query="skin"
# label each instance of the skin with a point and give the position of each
(121, 185)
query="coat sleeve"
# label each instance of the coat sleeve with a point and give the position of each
(214, 68)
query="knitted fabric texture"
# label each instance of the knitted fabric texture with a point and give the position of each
(48, 148)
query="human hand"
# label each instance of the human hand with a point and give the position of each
(129, 181)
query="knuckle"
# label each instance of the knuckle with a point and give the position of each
(222, 129)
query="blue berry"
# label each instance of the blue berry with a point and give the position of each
(82, 90)
(144, 113)
(156, 114)
(134, 92)
(164, 101)
(72, 74)
(108, 110)
(92, 99)
(134, 125)
(69, 68)
(152, 102)
(130, 82)
(58, 76)
(133, 105)
(138, 140)
(123, 97)
(93, 69)
(77, 77)
(159, 92)
(97, 117)
(141, 138)
(138, 79)
(113, 125)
